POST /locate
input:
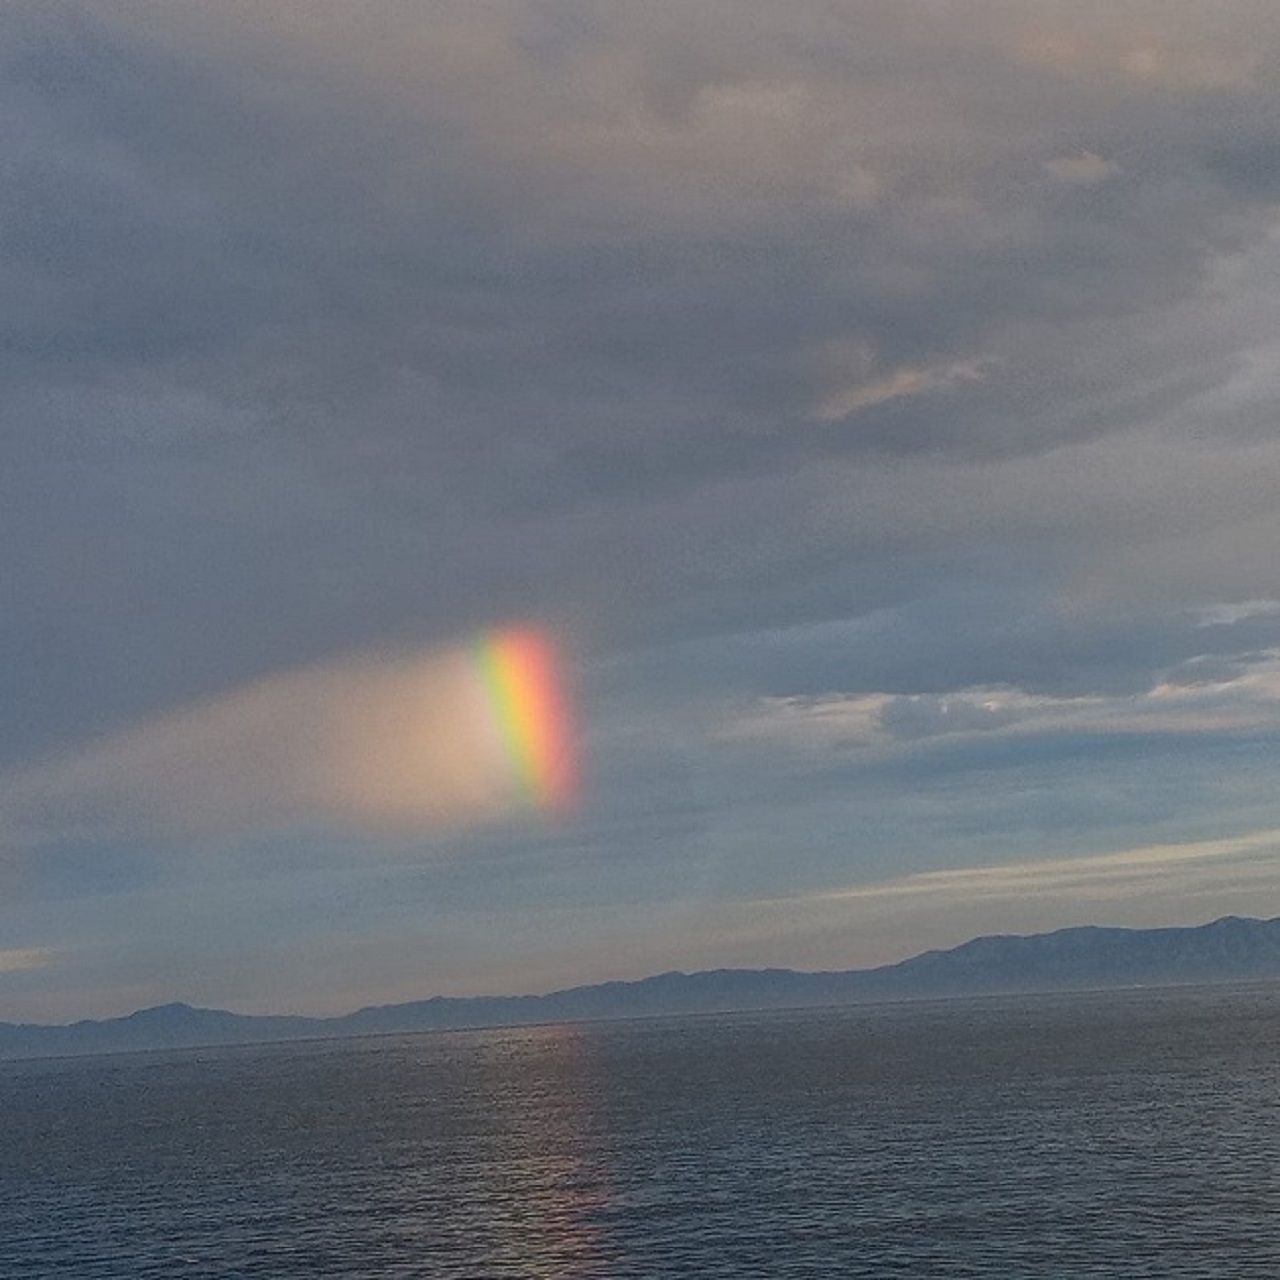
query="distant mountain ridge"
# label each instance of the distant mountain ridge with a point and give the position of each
(1230, 949)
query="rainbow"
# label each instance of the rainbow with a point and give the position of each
(528, 717)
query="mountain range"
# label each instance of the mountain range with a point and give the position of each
(1089, 957)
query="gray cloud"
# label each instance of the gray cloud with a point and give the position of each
(769, 351)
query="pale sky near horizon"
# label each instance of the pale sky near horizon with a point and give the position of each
(876, 404)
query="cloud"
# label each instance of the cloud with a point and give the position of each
(1201, 695)
(1150, 46)
(426, 742)
(896, 384)
(896, 375)
(26, 959)
(1172, 869)
(1085, 168)
(892, 918)
(1226, 614)
(889, 919)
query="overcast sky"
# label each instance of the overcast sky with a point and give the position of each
(877, 404)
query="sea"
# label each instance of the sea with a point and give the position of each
(1120, 1134)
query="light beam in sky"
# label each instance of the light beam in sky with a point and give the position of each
(445, 739)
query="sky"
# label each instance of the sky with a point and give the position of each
(874, 406)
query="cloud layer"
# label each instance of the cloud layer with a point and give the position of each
(398, 743)
(881, 397)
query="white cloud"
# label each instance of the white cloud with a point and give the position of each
(1084, 169)
(1239, 695)
(25, 959)
(897, 384)
(1216, 615)
(1160, 47)
(891, 919)
(1123, 873)
(887, 920)
(820, 721)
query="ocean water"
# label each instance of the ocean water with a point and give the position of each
(1120, 1135)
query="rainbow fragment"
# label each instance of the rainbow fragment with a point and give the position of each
(527, 717)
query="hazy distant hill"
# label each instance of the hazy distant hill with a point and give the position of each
(1228, 949)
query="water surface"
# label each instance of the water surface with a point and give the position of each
(1122, 1135)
